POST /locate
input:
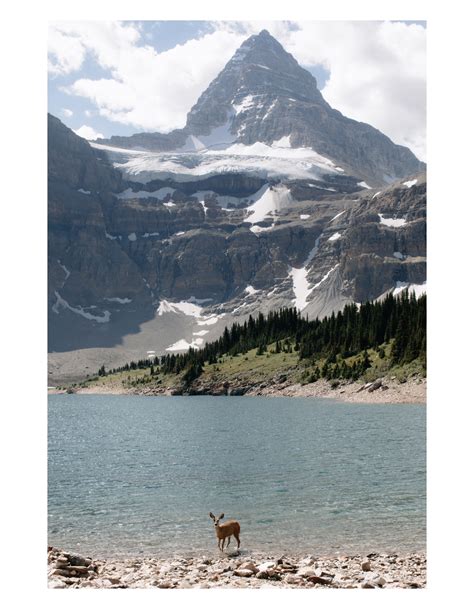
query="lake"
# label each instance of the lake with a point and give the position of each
(131, 475)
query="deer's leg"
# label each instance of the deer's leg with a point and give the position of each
(228, 541)
(238, 540)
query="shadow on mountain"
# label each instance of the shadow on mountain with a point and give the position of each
(68, 331)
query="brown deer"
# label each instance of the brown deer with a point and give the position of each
(225, 531)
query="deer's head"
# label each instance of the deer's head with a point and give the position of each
(216, 520)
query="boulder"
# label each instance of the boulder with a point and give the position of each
(305, 572)
(249, 565)
(374, 386)
(316, 579)
(243, 572)
(60, 572)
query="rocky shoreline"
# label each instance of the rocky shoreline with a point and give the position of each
(382, 390)
(232, 570)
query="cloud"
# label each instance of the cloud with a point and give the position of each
(377, 73)
(88, 133)
(66, 53)
(377, 70)
(146, 89)
(66, 112)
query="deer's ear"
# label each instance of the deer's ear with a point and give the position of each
(221, 516)
(212, 515)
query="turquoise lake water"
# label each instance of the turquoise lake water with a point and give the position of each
(139, 475)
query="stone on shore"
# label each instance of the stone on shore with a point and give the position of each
(224, 571)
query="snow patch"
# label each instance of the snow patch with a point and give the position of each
(84, 192)
(191, 309)
(399, 255)
(410, 183)
(334, 237)
(67, 272)
(218, 153)
(112, 237)
(119, 300)
(325, 277)
(395, 222)
(209, 321)
(183, 345)
(301, 287)
(269, 111)
(185, 307)
(299, 277)
(376, 194)
(250, 290)
(261, 229)
(283, 142)
(304, 216)
(267, 202)
(201, 333)
(337, 215)
(419, 289)
(60, 302)
(244, 105)
(169, 204)
(218, 137)
(364, 185)
(260, 149)
(132, 237)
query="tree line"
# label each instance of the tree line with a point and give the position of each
(401, 319)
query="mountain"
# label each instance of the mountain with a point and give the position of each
(153, 251)
(264, 104)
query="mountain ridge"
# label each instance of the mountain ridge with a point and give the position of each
(263, 95)
(154, 252)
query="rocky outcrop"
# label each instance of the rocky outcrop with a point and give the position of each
(383, 240)
(71, 160)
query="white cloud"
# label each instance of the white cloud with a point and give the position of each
(377, 73)
(377, 70)
(65, 53)
(88, 133)
(66, 112)
(146, 89)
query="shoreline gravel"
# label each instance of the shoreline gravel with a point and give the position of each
(390, 391)
(232, 570)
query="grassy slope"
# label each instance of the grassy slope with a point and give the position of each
(252, 369)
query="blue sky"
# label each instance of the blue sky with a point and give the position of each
(119, 78)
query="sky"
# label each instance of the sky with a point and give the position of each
(120, 78)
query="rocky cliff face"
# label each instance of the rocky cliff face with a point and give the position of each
(151, 252)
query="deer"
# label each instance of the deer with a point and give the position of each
(225, 531)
